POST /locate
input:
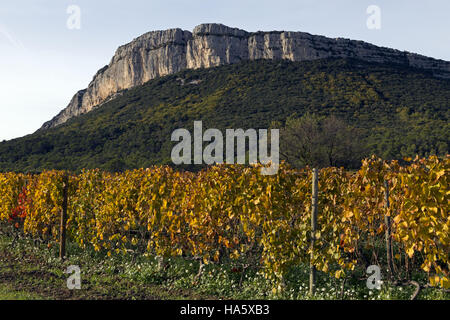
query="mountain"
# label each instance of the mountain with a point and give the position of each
(160, 53)
(399, 111)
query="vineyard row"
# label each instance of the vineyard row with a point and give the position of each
(232, 212)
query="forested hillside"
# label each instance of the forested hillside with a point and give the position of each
(396, 111)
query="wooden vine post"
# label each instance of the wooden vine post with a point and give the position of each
(312, 268)
(387, 222)
(62, 233)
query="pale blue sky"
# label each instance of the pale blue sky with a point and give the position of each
(43, 63)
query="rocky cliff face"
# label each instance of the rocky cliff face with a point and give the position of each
(160, 53)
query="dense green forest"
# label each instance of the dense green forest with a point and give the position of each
(394, 112)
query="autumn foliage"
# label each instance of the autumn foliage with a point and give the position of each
(235, 213)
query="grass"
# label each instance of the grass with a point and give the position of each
(31, 271)
(9, 293)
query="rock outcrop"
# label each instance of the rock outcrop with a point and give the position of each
(160, 53)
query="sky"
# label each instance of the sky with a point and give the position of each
(44, 60)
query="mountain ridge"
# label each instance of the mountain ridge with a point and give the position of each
(164, 52)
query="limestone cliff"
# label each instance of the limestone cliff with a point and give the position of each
(160, 53)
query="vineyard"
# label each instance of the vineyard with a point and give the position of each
(395, 216)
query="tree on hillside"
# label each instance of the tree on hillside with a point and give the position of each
(320, 142)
